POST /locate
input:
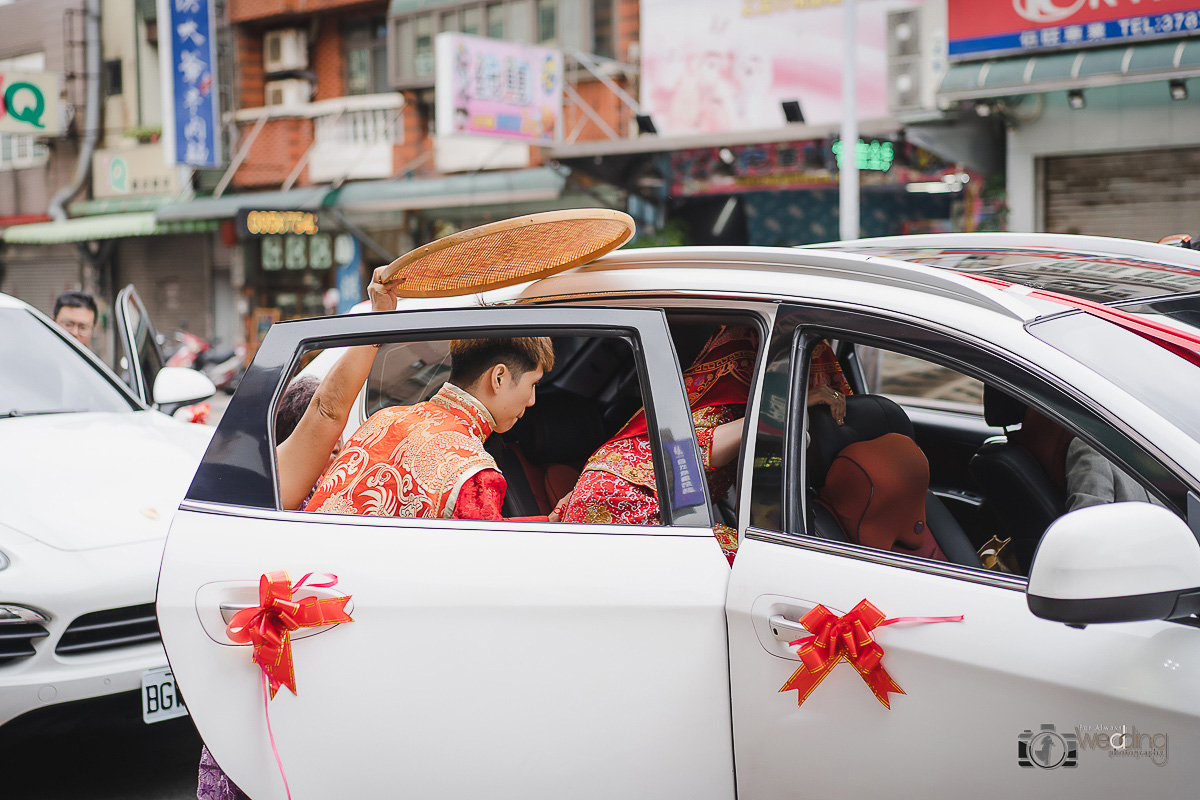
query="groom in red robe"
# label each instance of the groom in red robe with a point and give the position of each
(428, 459)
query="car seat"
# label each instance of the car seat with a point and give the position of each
(542, 456)
(1022, 476)
(869, 417)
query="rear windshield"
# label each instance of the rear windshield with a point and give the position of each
(41, 374)
(1165, 382)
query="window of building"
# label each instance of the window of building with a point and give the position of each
(495, 20)
(366, 56)
(113, 78)
(547, 22)
(553, 23)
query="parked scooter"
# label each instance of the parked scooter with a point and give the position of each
(223, 365)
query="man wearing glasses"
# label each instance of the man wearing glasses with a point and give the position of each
(75, 312)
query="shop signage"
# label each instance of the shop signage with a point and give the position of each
(30, 103)
(978, 29)
(875, 155)
(269, 222)
(787, 166)
(137, 170)
(715, 66)
(489, 87)
(190, 83)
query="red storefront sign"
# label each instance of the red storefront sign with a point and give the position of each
(989, 27)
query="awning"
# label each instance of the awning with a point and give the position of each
(118, 205)
(1079, 69)
(109, 226)
(478, 188)
(227, 206)
(473, 189)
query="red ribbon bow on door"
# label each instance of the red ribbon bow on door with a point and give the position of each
(848, 637)
(268, 625)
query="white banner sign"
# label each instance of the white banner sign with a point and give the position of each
(489, 87)
(710, 66)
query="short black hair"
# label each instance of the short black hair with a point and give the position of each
(75, 299)
(293, 404)
(470, 358)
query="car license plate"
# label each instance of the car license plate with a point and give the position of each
(160, 698)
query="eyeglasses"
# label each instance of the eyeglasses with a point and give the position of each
(81, 327)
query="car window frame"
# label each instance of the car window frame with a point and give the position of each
(245, 440)
(800, 325)
(127, 337)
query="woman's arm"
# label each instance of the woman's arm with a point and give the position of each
(726, 440)
(304, 455)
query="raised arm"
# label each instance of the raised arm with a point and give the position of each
(304, 455)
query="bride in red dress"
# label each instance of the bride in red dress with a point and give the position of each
(617, 484)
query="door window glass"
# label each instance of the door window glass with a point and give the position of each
(929, 486)
(913, 381)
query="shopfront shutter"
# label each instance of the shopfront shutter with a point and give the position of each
(38, 274)
(173, 276)
(1142, 194)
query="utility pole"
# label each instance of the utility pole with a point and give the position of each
(848, 172)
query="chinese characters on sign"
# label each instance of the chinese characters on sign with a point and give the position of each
(487, 87)
(191, 85)
(983, 29)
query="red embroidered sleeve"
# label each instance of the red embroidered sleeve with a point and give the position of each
(482, 497)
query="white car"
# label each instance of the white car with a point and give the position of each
(89, 478)
(549, 660)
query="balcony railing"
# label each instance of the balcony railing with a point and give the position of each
(352, 136)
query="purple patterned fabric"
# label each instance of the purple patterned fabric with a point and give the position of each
(214, 783)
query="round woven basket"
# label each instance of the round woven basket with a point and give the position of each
(508, 252)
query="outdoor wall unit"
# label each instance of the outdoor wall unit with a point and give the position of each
(290, 92)
(285, 49)
(916, 40)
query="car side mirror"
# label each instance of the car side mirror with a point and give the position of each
(1119, 562)
(180, 386)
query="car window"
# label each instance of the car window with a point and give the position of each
(985, 491)
(148, 355)
(1163, 380)
(40, 373)
(913, 381)
(592, 391)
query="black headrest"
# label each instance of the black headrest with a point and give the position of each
(868, 416)
(1001, 410)
(561, 428)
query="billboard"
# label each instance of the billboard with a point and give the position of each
(711, 66)
(29, 103)
(489, 87)
(978, 28)
(191, 111)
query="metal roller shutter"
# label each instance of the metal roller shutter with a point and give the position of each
(1142, 194)
(172, 275)
(38, 274)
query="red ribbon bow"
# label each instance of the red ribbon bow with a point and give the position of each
(268, 626)
(848, 637)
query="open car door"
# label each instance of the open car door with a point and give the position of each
(485, 659)
(140, 357)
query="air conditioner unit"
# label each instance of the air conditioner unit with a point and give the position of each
(285, 50)
(916, 62)
(291, 92)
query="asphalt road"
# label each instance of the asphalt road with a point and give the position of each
(113, 759)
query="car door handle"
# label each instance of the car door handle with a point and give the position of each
(787, 630)
(229, 609)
